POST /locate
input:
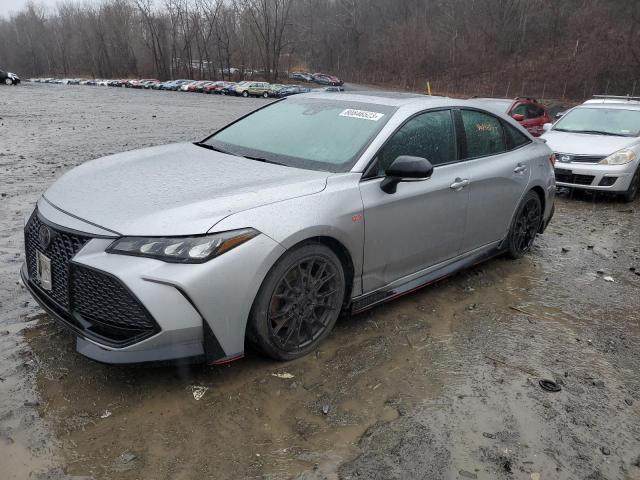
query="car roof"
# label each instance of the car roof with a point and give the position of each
(394, 99)
(612, 105)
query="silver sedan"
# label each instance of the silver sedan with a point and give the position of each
(267, 230)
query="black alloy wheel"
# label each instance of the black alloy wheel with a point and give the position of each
(298, 303)
(526, 226)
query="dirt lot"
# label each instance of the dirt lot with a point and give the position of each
(442, 383)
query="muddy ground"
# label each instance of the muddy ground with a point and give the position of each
(442, 383)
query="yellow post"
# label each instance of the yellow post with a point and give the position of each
(428, 88)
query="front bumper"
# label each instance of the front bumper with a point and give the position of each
(201, 310)
(606, 178)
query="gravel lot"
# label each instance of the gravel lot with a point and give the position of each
(442, 383)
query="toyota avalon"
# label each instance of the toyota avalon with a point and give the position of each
(264, 232)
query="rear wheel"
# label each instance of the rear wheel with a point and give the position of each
(245, 94)
(632, 192)
(8, 81)
(526, 226)
(265, 94)
(298, 303)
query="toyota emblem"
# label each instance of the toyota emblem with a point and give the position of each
(44, 236)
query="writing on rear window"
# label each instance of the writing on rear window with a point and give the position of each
(363, 114)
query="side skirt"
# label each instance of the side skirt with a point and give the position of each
(385, 294)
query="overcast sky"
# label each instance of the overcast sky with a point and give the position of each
(7, 6)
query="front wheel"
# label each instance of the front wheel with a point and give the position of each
(298, 303)
(265, 95)
(245, 94)
(525, 226)
(632, 192)
(8, 81)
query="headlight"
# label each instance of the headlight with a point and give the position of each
(197, 249)
(619, 158)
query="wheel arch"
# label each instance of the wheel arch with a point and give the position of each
(343, 254)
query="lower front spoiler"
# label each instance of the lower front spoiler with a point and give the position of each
(197, 351)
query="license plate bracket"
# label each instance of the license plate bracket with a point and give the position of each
(44, 271)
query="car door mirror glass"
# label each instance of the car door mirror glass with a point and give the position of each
(406, 168)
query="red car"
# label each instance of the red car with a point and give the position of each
(527, 111)
(216, 87)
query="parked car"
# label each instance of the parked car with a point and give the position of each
(199, 86)
(174, 85)
(8, 78)
(289, 90)
(597, 147)
(274, 87)
(329, 89)
(185, 86)
(217, 87)
(233, 89)
(269, 243)
(325, 79)
(253, 89)
(527, 111)
(301, 76)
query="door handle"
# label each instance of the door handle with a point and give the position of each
(459, 184)
(520, 168)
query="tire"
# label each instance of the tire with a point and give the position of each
(634, 188)
(245, 94)
(525, 226)
(287, 321)
(265, 95)
(8, 81)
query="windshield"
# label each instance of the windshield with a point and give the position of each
(312, 133)
(601, 121)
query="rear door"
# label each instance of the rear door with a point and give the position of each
(498, 166)
(422, 223)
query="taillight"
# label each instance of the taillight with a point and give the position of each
(552, 160)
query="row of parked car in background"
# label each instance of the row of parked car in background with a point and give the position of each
(248, 88)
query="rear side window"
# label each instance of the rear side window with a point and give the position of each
(515, 138)
(534, 112)
(520, 110)
(429, 135)
(484, 134)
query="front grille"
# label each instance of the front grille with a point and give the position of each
(107, 306)
(567, 157)
(61, 249)
(567, 176)
(93, 303)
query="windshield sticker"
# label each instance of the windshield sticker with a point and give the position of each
(362, 114)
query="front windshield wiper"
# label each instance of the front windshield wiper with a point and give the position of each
(211, 147)
(264, 160)
(597, 132)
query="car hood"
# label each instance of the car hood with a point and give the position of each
(178, 189)
(586, 144)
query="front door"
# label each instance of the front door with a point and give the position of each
(423, 222)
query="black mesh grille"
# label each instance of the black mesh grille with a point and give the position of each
(107, 305)
(61, 249)
(91, 302)
(567, 176)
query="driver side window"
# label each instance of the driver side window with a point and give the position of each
(429, 135)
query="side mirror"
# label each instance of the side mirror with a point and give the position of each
(405, 169)
(559, 115)
(518, 117)
(546, 127)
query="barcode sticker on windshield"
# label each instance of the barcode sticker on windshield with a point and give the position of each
(363, 114)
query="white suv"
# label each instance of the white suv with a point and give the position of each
(597, 146)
